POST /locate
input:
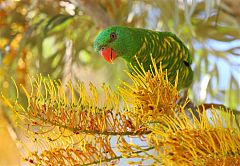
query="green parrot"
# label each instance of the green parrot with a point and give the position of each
(131, 43)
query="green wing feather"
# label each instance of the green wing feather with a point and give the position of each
(166, 48)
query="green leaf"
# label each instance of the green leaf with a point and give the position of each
(56, 21)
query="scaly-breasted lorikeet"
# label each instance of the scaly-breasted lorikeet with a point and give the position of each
(165, 47)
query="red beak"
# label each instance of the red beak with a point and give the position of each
(108, 54)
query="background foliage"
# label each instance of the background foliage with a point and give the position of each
(55, 38)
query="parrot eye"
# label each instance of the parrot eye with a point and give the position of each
(113, 35)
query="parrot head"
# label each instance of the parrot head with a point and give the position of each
(115, 41)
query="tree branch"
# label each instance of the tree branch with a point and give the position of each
(213, 105)
(119, 157)
(78, 131)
